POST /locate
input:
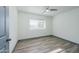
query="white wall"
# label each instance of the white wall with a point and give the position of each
(12, 27)
(66, 25)
(23, 26)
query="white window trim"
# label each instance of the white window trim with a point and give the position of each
(39, 28)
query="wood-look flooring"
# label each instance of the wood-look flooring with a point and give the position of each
(48, 44)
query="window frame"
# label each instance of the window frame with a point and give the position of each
(38, 27)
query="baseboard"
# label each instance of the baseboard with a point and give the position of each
(64, 39)
(36, 37)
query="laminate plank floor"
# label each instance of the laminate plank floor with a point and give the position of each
(48, 44)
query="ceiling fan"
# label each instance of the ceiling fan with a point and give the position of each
(49, 10)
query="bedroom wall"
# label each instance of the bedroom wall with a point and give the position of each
(12, 27)
(66, 25)
(23, 24)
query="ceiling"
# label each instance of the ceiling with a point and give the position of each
(41, 9)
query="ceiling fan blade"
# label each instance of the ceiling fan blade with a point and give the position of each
(53, 9)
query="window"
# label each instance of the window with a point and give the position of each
(37, 24)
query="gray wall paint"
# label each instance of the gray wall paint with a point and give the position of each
(12, 27)
(23, 26)
(66, 25)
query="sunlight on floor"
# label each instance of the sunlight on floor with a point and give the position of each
(56, 50)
